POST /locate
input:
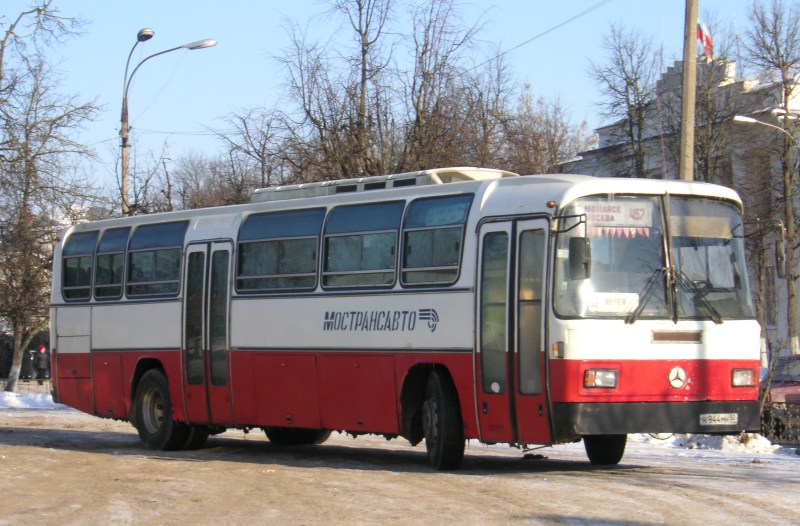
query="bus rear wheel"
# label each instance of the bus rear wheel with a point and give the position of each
(153, 410)
(295, 436)
(441, 423)
(605, 450)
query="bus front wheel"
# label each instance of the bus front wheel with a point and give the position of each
(154, 422)
(604, 450)
(441, 423)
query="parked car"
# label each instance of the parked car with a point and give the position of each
(781, 413)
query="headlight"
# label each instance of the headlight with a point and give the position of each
(744, 378)
(603, 378)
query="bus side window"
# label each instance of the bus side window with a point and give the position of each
(154, 259)
(77, 263)
(278, 251)
(361, 245)
(433, 233)
(110, 263)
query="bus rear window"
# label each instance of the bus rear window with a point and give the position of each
(77, 274)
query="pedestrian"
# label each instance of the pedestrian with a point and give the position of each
(40, 362)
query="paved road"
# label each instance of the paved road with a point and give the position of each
(63, 467)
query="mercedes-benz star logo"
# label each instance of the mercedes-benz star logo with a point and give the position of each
(677, 377)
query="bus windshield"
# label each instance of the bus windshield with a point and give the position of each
(628, 275)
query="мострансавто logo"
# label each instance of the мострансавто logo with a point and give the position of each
(379, 320)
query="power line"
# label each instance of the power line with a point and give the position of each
(585, 12)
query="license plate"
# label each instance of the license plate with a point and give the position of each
(719, 419)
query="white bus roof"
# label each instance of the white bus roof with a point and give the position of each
(499, 193)
(379, 182)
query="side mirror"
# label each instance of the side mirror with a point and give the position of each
(580, 258)
(780, 258)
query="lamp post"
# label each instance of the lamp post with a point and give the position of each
(750, 120)
(124, 131)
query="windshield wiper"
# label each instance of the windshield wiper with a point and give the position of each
(699, 295)
(646, 294)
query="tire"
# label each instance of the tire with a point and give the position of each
(296, 436)
(157, 429)
(196, 437)
(605, 450)
(441, 423)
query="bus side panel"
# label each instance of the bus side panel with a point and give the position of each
(245, 403)
(109, 400)
(459, 366)
(356, 393)
(75, 381)
(286, 390)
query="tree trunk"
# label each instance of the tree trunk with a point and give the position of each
(16, 363)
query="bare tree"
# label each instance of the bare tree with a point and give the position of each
(773, 44)
(338, 131)
(352, 111)
(627, 81)
(539, 136)
(254, 136)
(36, 145)
(439, 45)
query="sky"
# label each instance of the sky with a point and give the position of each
(177, 98)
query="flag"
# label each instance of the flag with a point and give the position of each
(704, 42)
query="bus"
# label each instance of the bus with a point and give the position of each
(441, 305)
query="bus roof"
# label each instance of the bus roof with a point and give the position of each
(379, 182)
(498, 192)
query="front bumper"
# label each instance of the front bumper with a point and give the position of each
(573, 420)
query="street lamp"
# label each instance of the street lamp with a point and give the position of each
(124, 132)
(749, 120)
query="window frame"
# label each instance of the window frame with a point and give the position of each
(404, 270)
(311, 228)
(114, 251)
(156, 244)
(389, 218)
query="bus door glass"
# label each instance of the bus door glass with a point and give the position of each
(205, 335)
(492, 357)
(510, 362)
(531, 407)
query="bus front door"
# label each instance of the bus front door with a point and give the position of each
(205, 335)
(510, 359)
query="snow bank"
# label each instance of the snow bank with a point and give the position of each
(744, 443)
(28, 401)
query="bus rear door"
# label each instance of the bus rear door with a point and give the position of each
(205, 335)
(510, 358)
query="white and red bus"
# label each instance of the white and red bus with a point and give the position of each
(442, 305)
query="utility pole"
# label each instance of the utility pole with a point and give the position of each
(688, 94)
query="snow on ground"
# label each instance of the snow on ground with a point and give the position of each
(29, 401)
